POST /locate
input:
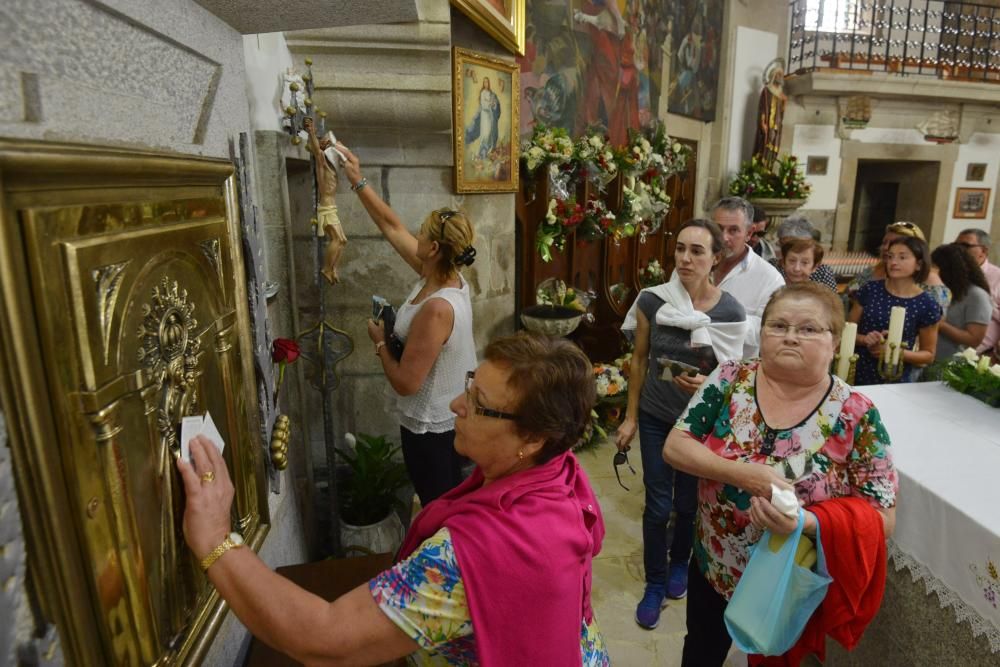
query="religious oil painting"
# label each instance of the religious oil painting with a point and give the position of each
(693, 48)
(501, 19)
(971, 202)
(486, 108)
(599, 63)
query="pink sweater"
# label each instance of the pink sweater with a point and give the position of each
(524, 545)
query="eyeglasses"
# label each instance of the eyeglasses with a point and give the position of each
(478, 408)
(969, 245)
(621, 458)
(803, 331)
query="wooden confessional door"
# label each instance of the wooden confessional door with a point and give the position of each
(124, 272)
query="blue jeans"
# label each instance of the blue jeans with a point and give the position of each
(666, 489)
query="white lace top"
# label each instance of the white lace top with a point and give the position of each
(427, 410)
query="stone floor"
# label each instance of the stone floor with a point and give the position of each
(618, 576)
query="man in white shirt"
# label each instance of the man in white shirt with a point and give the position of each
(742, 273)
(977, 243)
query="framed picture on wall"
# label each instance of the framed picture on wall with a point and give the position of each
(976, 171)
(971, 202)
(502, 19)
(816, 165)
(486, 98)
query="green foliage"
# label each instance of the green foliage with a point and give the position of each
(972, 375)
(368, 494)
(784, 181)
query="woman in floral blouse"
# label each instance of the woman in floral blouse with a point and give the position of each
(784, 420)
(495, 572)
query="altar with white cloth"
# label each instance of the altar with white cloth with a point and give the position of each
(946, 448)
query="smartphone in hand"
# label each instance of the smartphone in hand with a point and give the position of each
(379, 304)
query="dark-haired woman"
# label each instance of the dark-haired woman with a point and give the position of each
(693, 325)
(435, 325)
(907, 264)
(971, 308)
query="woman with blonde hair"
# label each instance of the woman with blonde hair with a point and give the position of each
(435, 325)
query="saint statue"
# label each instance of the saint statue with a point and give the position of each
(770, 113)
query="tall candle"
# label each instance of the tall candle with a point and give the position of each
(847, 341)
(896, 319)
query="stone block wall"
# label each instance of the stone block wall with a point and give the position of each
(387, 90)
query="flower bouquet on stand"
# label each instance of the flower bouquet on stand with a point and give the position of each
(612, 397)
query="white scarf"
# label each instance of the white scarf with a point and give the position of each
(726, 338)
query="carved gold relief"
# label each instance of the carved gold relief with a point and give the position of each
(109, 281)
(120, 314)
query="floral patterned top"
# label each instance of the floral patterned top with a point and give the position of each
(425, 597)
(841, 449)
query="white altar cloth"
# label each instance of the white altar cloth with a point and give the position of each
(946, 448)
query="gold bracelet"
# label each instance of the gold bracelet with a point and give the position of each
(232, 541)
(378, 347)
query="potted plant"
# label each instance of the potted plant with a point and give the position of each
(779, 190)
(368, 496)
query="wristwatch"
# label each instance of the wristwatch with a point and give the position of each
(232, 541)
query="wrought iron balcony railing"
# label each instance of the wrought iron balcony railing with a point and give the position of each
(951, 40)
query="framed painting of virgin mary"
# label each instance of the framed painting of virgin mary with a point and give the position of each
(486, 105)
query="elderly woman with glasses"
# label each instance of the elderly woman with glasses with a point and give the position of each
(435, 326)
(779, 421)
(495, 572)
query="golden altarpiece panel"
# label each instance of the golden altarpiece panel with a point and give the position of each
(124, 309)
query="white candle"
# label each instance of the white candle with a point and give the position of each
(896, 319)
(847, 342)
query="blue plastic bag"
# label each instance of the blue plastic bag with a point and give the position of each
(775, 597)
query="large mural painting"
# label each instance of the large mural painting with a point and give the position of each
(601, 62)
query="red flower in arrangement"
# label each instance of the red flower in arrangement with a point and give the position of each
(284, 350)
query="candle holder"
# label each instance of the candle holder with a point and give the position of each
(892, 372)
(852, 366)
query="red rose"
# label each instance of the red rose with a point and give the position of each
(284, 350)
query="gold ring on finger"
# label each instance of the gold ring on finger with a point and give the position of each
(208, 477)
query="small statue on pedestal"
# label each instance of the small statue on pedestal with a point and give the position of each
(770, 113)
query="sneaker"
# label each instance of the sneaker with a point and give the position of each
(677, 585)
(647, 614)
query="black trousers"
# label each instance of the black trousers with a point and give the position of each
(707, 641)
(432, 462)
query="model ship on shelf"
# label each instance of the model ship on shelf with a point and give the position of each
(940, 128)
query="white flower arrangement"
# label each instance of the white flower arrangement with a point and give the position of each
(974, 375)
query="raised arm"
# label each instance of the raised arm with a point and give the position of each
(312, 143)
(392, 228)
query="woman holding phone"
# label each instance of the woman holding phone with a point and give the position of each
(434, 325)
(692, 326)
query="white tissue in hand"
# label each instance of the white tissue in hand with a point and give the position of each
(785, 501)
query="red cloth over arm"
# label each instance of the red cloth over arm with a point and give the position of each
(854, 545)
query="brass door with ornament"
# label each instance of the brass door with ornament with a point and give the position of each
(123, 270)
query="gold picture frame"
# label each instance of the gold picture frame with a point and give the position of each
(122, 302)
(503, 19)
(971, 203)
(486, 102)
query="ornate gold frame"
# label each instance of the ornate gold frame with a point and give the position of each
(506, 28)
(44, 435)
(461, 58)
